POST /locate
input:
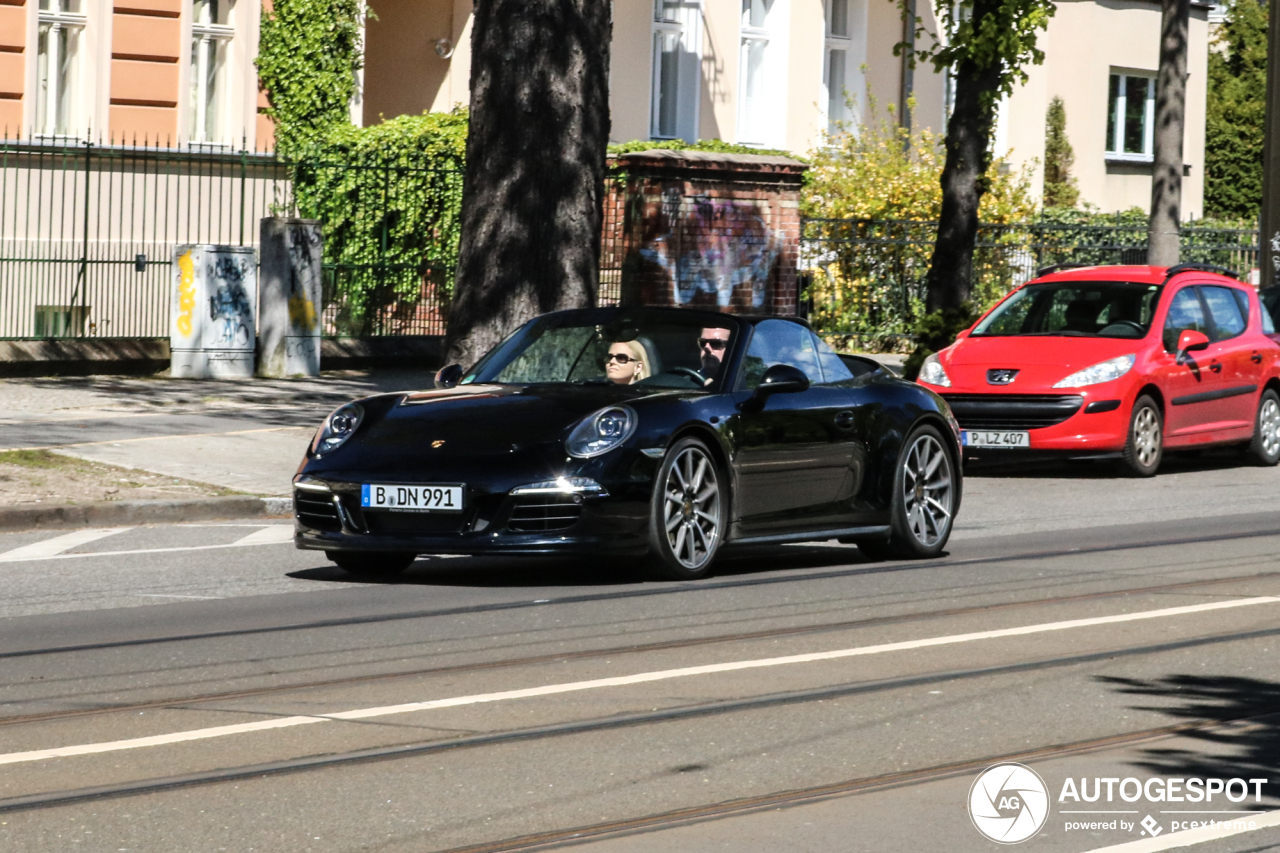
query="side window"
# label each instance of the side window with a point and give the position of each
(833, 369)
(1225, 311)
(1184, 313)
(1242, 299)
(780, 342)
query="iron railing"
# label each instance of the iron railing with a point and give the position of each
(87, 230)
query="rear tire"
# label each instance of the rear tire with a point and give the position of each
(688, 512)
(1144, 446)
(1264, 449)
(372, 564)
(924, 500)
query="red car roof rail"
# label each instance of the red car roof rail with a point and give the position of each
(1059, 268)
(1174, 270)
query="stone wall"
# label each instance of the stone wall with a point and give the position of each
(702, 229)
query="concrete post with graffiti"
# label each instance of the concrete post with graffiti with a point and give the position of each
(289, 330)
(213, 314)
(704, 229)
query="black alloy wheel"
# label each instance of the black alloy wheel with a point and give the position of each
(1144, 447)
(372, 564)
(1264, 449)
(688, 512)
(924, 500)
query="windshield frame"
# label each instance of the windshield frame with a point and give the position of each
(1032, 290)
(485, 370)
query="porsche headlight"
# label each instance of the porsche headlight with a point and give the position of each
(931, 373)
(1103, 371)
(602, 432)
(338, 427)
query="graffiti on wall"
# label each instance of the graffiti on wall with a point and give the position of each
(713, 250)
(230, 311)
(303, 244)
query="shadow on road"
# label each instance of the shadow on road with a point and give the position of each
(1249, 749)
(1106, 469)
(747, 564)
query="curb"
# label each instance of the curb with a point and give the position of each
(115, 513)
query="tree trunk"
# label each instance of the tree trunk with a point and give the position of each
(950, 279)
(1163, 246)
(1269, 220)
(534, 183)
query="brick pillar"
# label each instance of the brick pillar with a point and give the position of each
(718, 231)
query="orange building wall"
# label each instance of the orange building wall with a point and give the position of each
(145, 52)
(402, 74)
(13, 32)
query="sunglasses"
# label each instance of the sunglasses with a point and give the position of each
(620, 357)
(714, 343)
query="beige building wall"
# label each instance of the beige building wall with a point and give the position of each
(1086, 41)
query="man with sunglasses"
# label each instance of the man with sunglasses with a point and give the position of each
(713, 343)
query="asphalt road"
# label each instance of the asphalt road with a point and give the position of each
(206, 687)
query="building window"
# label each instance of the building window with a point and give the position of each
(835, 77)
(754, 73)
(1131, 109)
(58, 44)
(676, 43)
(211, 33)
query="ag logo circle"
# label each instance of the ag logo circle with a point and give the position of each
(1008, 803)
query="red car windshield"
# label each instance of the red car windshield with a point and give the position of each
(1092, 309)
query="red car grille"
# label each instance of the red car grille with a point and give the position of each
(1012, 411)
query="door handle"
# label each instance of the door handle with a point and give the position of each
(1215, 366)
(1256, 358)
(844, 420)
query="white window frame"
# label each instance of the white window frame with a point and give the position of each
(75, 23)
(748, 123)
(1115, 145)
(687, 29)
(207, 34)
(838, 42)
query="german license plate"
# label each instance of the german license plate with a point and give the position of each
(995, 438)
(422, 498)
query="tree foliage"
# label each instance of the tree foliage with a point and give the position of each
(1235, 120)
(308, 55)
(1060, 188)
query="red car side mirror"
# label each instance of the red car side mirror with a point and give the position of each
(1191, 341)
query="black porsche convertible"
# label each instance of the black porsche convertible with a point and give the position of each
(665, 432)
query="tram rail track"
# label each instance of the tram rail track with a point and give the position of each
(614, 651)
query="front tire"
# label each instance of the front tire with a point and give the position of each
(1144, 447)
(1264, 449)
(924, 500)
(688, 512)
(372, 564)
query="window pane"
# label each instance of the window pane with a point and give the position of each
(753, 86)
(835, 89)
(668, 95)
(839, 17)
(42, 79)
(1184, 313)
(1135, 115)
(833, 369)
(755, 13)
(780, 342)
(68, 42)
(666, 10)
(1113, 98)
(68, 6)
(1225, 311)
(213, 91)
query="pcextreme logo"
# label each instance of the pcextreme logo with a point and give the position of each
(1009, 803)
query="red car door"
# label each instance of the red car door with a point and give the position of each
(1191, 388)
(1234, 350)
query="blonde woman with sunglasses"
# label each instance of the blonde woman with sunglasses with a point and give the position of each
(626, 363)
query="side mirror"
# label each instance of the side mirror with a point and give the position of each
(449, 376)
(1191, 341)
(781, 379)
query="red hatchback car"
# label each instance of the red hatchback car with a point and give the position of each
(1124, 360)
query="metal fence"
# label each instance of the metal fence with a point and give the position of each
(87, 230)
(866, 278)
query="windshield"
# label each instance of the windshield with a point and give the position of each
(1102, 309)
(665, 349)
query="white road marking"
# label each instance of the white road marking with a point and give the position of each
(273, 535)
(617, 681)
(237, 544)
(58, 544)
(1189, 837)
